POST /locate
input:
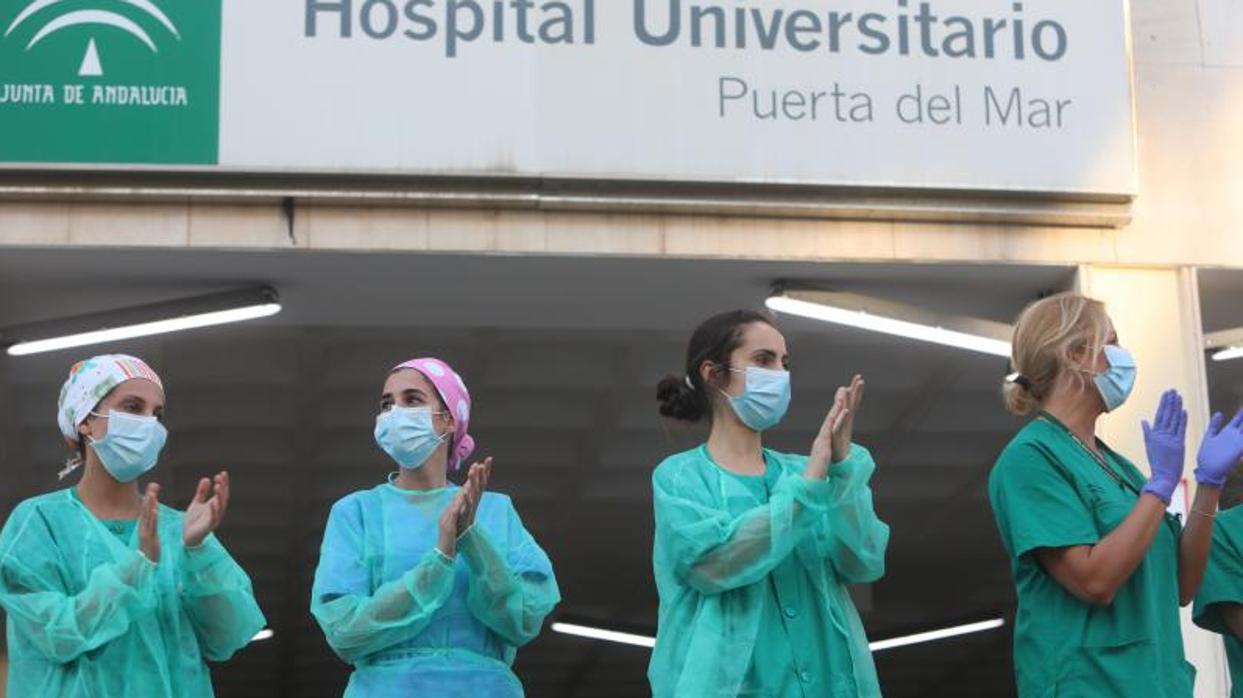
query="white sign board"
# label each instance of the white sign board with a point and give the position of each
(946, 94)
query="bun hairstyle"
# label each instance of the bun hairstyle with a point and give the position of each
(1048, 335)
(1232, 493)
(685, 397)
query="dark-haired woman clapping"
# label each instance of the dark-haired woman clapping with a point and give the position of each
(754, 548)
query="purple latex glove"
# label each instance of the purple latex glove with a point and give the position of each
(1220, 451)
(1165, 440)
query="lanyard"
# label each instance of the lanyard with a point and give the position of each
(1172, 521)
(1100, 460)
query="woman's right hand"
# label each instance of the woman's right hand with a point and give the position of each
(822, 446)
(447, 542)
(1165, 441)
(149, 524)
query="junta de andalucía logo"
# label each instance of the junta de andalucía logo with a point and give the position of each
(110, 81)
(54, 26)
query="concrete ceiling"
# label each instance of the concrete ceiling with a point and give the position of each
(562, 355)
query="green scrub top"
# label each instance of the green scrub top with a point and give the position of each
(1047, 491)
(1223, 584)
(752, 574)
(90, 617)
(791, 652)
(416, 623)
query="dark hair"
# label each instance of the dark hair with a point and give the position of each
(1232, 492)
(685, 397)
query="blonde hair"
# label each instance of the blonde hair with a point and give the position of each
(1047, 336)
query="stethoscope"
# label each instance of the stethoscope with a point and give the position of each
(1124, 483)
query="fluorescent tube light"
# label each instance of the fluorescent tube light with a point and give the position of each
(1229, 353)
(265, 634)
(933, 635)
(645, 641)
(607, 635)
(145, 321)
(900, 328)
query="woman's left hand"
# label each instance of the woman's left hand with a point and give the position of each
(476, 485)
(844, 433)
(205, 514)
(1220, 451)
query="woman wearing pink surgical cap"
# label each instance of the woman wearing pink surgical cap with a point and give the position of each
(109, 593)
(428, 588)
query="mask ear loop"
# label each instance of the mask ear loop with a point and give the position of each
(721, 390)
(448, 438)
(71, 464)
(731, 369)
(75, 461)
(448, 433)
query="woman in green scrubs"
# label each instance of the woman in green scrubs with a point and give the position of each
(1100, 567)
(754, 548)
(1219, 605)
(110, 594)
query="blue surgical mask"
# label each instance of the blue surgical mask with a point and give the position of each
(764, 399)
(408, 435)
(132, 445)
(1117, 382)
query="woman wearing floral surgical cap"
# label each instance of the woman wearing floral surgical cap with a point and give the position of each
(109, 593)
(425, 587)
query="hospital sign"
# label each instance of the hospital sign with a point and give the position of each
(1029, 96)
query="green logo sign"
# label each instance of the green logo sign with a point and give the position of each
(110, 81)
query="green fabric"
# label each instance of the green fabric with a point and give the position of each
(1223, 584)
(788, 650)
(90, 616)
(1048, 492)
(752, 575)
(123, 529)
(415, 623)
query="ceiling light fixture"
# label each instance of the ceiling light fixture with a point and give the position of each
(1228, 354)
(878, 646)
(606, 635)
(789, 304)
(141, 321)
(1224, 345)
(934, 635)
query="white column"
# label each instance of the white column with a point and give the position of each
(1157, 315)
